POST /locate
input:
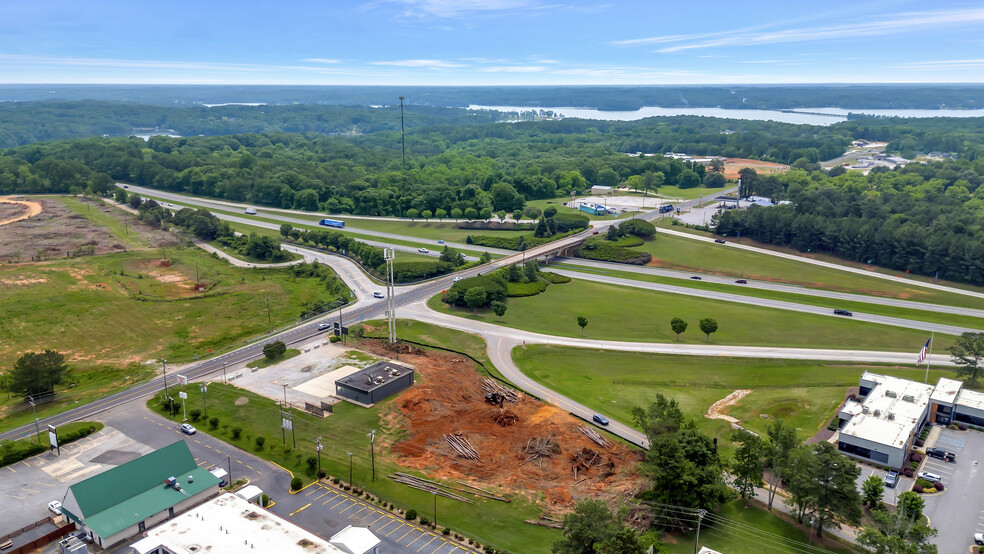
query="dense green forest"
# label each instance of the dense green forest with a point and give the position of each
(921, 219)
(898, 96)
(963, 136)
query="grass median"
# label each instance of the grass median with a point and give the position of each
(616, 313)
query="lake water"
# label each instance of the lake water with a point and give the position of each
(799, 115)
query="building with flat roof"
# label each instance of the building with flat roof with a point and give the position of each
(601, 189)
(374, 383)
(882, 427)
(128, 499)
(228, 524)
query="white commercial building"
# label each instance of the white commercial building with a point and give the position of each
(882, 427)
(229, 524)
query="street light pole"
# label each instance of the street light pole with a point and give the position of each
(204, 389)
(435, 507)
(372, 452)
(319, 457)
(164, 365)
(229, 461)
(36, 426)
(350, 468)
(224, 378)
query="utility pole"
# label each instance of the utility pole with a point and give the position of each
(700, 517)
(197, 278)
(269, 321)
(350, 468)
(372, 452)
(388, 255)
(319, 457)
(164, 365)
(36, 426)
(435, 506)
(204, 389)
(229, 461)
(224, 378)
(403, 136)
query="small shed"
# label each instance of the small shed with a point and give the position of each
(374, 383)
(600, 189)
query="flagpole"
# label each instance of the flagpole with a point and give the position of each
(930, 355)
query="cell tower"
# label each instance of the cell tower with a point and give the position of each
(388, 254)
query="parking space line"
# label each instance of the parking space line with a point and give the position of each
(385, 525)
(339, 504)
(312, 491)
(444, 543)
(11, 469)
(394, 529)
(239, 461)
(428, 542)
(405, 534)
(322, 494)
(203, 462)
(354, 504)
(329, 500)
(47, 485)
(353, 514)
(416, 539)
(249, 466)
(14, 496)
(377, 519)
(29, 490)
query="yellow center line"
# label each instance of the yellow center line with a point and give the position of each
(239, 461)
(299, 509)
(249, 466)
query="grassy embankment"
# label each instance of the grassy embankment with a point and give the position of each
(642, 315)
(111, 314)
(803, 393)
(901, 278)
(117, 221)
(260, 363)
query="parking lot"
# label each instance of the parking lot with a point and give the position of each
(325, 508)
(958, 512)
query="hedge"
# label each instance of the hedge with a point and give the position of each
(21, 449)
(533, 288)
(597, 248)
(513, 243)
(495, 226)
(554, 278)
(494, 285)
(570, 222)
(638, 227)
(404, 272)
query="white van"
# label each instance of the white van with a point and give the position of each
(250, 211)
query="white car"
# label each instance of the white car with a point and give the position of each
(55, 507)
(929, 476)
(378, 295)
(423, 251)
(324, 326)
(456, 279)
(979, 538)
(188, 429)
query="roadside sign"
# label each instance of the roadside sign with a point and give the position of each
(53, 437)
(182, 380)
(182, 395)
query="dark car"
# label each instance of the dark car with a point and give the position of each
(595, 233)
(719, 241)
(600, 419)
(695, 277)
(941, 454)
(844, 312)
(892, 479)
(741, 281)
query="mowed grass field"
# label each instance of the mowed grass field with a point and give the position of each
(803, 393)
(491, 522)
(122, 308)
(685, 254)
(617, 313)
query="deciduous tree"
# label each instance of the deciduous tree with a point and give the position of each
(582, 322)
(967, 352)
(708, 326)
(679, 326)
(748, 464)
(499, 308)
(475, 298)
(37, 372)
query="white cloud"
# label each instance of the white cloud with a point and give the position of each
(321, 60)
(513, 69)
(440, 64)
(875, 27)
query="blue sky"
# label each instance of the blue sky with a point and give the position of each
(490, 42)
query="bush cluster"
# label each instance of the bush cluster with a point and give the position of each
(532, 288)
(554, 278)
(597, 248)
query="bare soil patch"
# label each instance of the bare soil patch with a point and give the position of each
(23, 209)
(448, 400)
(717, 409)
(733, 165)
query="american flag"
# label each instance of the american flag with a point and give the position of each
(923, 353)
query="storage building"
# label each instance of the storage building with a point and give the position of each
(374, 383)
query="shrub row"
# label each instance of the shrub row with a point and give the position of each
(554, 278)
(404, 272)
(597, 248)
(629, 241)
(523, 242)
(533, 288)
(15, 451)
(495, 226)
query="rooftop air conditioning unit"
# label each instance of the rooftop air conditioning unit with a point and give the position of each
(864, 410)
(877, 413)
(909, 398)
(891, 394)
(891, 417)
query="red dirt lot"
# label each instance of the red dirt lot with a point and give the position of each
(448, 399)
(733, 165)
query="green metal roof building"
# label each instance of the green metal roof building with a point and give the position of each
(126, 500)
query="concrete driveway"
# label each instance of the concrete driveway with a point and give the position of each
(958, 512)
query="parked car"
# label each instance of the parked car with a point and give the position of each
(423, 251)
(892, 479)
(324, 326)
(696, 277)
(188, 429)
(55, 507)
(941, 454)
(719, 241)
(741, 281)
(844, 313)
(600, 419)
(929, 476)
(979, 539)
(378, 294)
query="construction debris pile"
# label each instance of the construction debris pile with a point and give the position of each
(441, 489)
(594, 435)
(505, 418)
(461, 445)
(491, 386)
(587, 458)
(539, 448)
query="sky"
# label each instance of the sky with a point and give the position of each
(491, 42)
